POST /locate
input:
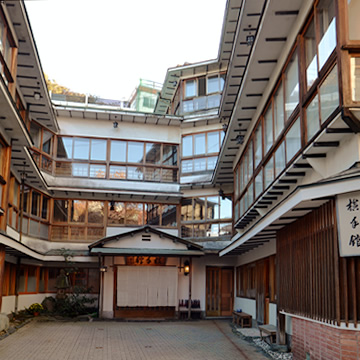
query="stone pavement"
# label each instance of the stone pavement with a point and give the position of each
(100, 340)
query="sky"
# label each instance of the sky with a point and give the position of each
(105, 47)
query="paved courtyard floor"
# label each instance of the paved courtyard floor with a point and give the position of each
(99, 340)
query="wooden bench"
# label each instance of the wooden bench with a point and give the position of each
(269, 330)
(242, 319)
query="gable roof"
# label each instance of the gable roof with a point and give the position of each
(101, 246)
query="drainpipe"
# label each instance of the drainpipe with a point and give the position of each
(17, 284)
(190, 277)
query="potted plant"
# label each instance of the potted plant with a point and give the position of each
(35, 309)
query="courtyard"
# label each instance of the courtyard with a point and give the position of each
(206, 339)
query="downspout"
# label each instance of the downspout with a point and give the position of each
(190, 277)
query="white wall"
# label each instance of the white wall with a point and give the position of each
(258, 253)
(8, 304)
(272, 314)
(246, 305)
(125, 130)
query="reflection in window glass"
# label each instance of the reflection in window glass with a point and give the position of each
(96, 212)
(186, 209)
(35, 132)
(212, 207)
(200, 230)
(200, 164)
(135, 152)
(269, 172)
(152, 214)
(153, 153)
(199, 140)
(35, 203)
(199, 208)
(116, 213)
(152, 174)
(355, 78)
(327, 26)
(186, 166)
(258, 184)
(212, 84)
(329, 94)
(118, 151)
(258, 145)
(250, 161)
(268, 131)
(78, 211)
(168, 216)
(98, 171)
(236, 211)
(170, 155)
(250, 193)
(46, 142)
(211, 162)
(310, 55)
(278, 111)
(353, 16)
(80, 169)
(61, 210)
(225, 208)
(225, 229)
(98, 150)
(291, 86)
(186, 231)
(293, 140)
(190, 88)
(117, 172)
(44, 208)
(212, 230)
(280, 159)
(134, 214)
(81, 148)
(312, 118)
(187, 145)
(64, 147)
(213, 144)
(135, 173)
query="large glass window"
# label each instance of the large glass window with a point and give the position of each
(153, 153)
(329, 94)
(35, 132)
(98, 150)
(35, 203)
(187, 145)
(310, 55)
(213, 143)
(279, 159)
(278, 111)
(116, 213)
(293, 140)
(353, 16)
(134, 214)
(199, 147)
(81, 148)
(355, 78)
(78, 211)
(190, 88)
(47, 141)
(61, 210)
(135, 152)
(170, 155)
(269, 172)
(291, 86)
(118, 151)
(213, 84)
(258, 145)
(64, 147)
(95, 212)
(258, 184)
(268, 133)
(312, 118)
(326, 20)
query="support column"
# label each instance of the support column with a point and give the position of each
(190, 277)
(2, 270)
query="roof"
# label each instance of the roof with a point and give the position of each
(103, 246)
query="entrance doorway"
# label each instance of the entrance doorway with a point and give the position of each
(219, 291)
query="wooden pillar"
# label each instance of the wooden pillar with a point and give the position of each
(2, 270)
(281, 335)
(190, 278)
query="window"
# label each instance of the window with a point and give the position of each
(326, 20)
(258, 145)
(278, 111)
(329, 95)
(258, 184)
(199, 144)
(190, 88)
(135, 152)
(35, 203)
(293, 140)
(269, 172)
(268, 133)
(35, 132)
(47, 142)
(98, 150)
(187, 146)
(310, 55)
(353, 16)
(81, 149)
(64, 147)
(118, 151)
(291, 86)
(280, 159)
(61, 210)
(355, 78)
(152, 153)
(312, 118)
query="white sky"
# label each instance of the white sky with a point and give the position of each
(104, 47)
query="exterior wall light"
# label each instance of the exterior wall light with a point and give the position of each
(103, 269)
(186, 268)
(250, 39)
(37, 96)
(115, 124)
